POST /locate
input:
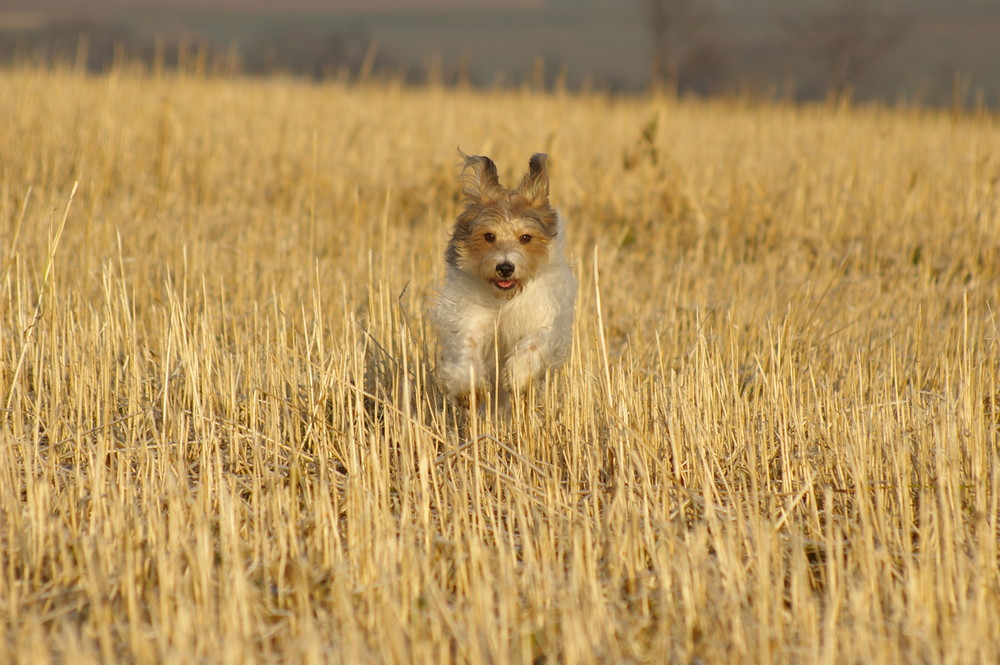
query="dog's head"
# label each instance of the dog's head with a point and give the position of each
(502, 235)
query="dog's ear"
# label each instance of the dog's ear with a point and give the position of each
(535, 184)
(482, 185)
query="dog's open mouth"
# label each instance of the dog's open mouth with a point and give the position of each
(505, 284)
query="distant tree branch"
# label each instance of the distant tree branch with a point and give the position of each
(845, 39)
(683, 45)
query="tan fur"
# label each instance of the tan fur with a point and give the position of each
(520, 221)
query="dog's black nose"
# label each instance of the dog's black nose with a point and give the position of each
(505, 269)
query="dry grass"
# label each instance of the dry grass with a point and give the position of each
(777, 441)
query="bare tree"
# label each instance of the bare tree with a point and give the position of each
(845, 39)
(684, 42)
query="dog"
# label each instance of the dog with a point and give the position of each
(504, 314)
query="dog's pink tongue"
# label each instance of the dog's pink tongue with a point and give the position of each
(505, 284)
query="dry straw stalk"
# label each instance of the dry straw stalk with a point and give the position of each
(776, 440)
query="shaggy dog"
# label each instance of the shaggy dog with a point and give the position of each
(505, 312)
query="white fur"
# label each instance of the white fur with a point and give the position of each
(530, 333)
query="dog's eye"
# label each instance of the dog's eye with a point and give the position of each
(489, 237)
(525, 239)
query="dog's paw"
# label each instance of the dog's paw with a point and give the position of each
(460, 381)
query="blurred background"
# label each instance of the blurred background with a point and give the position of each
(912, 52)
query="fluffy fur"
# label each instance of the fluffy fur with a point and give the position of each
(505, 312)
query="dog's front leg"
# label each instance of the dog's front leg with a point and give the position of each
(463, 369)
(527, 361)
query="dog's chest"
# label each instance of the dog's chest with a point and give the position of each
(521, 316)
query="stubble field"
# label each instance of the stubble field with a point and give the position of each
(777, 439)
